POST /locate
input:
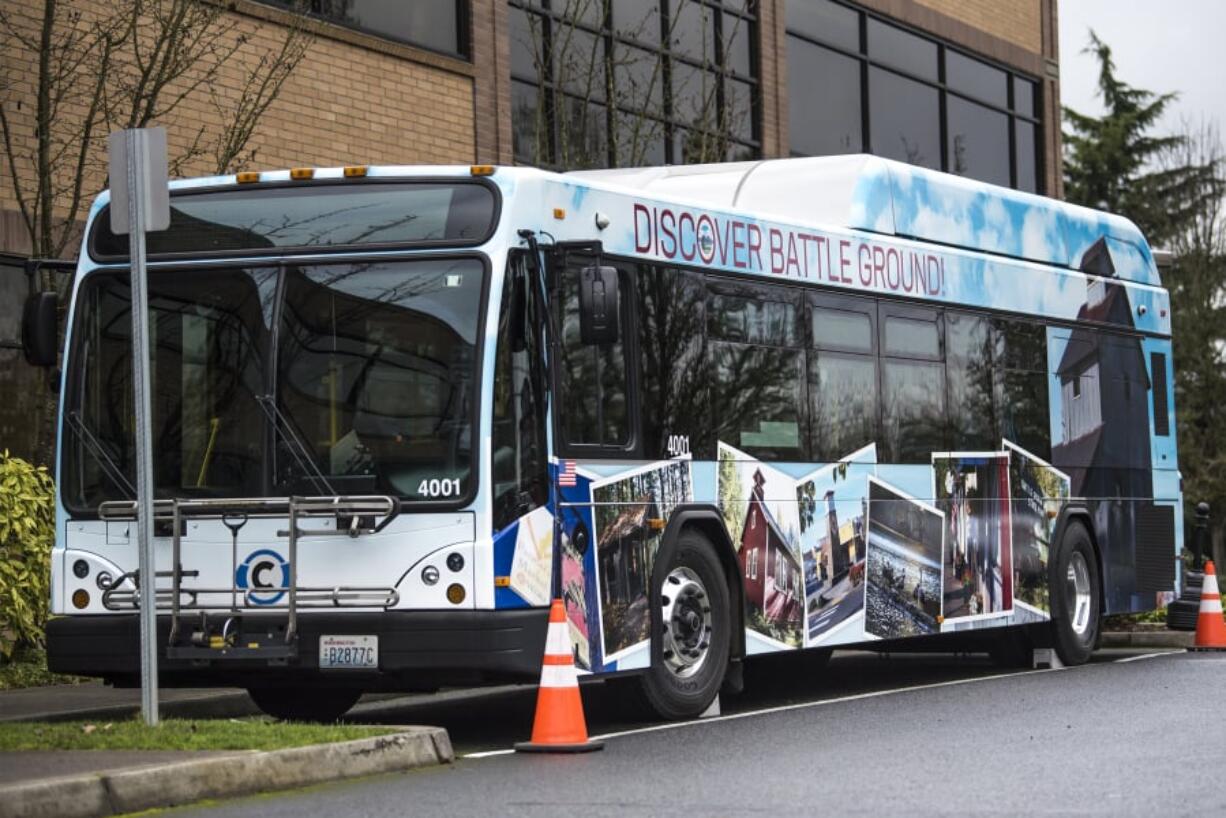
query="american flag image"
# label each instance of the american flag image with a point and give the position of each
(566, 474)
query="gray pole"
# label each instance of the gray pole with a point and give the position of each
(143, 433)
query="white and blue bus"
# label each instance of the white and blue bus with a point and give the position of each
(719, 410)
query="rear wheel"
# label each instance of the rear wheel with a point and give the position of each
(691, 632)
(1076, 596)
(323, 704)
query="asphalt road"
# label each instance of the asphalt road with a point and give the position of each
(922, 735)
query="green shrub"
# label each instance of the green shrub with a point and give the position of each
(27, 532)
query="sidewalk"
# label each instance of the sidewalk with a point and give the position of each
(94, 700)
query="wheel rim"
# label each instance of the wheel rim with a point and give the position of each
(687, 622)
(1077, 593)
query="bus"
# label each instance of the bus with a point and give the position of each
(719, 410)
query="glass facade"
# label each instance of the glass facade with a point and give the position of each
(859, 83)
(620, 83)
(439, 25)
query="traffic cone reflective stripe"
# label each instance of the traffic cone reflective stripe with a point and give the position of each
(1210, 628)
(559, 726)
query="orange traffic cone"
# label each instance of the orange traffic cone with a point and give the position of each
(1210, 629)
(559, 726)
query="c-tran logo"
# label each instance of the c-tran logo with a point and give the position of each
(706, 239)
(263, 568)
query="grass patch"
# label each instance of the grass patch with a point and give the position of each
(176, 734)
(1135, 621)
(28, 668)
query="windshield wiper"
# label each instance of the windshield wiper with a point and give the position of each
(95, 447)
(297, 448)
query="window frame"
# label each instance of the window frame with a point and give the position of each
(463, 10)
(868, 61)
(545, 81)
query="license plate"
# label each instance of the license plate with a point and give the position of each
(349, 652)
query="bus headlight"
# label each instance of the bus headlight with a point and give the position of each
(429, 575)
(455, 561)
(81, 569)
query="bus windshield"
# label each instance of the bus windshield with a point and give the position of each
(275, 379)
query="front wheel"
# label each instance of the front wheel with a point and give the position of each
(691, 632)
(323, 704)
(1076, 596)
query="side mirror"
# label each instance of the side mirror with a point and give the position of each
(599, 298)
(39, 330)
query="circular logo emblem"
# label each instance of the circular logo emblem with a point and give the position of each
(706, 239)
(264, 568)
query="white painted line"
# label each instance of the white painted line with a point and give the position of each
(1147, 656)
(766, 711)
(780, 709)
(677, 725)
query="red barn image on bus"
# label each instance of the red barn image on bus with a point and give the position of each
(771, 571)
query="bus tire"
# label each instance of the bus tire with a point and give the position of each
(318, 704)
(690, 631)
(1076, 596)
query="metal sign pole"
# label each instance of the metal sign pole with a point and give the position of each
(139, 155)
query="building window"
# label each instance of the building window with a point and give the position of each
(894, 93)
(598, 83)
(439, 25)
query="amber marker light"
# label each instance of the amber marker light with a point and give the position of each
(301, 174)
(455, 593)
(80, 598)
(246, 177)
(481, 170)
(355, 171)
(559, 213)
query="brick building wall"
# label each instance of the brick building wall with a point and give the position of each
(1015, 21)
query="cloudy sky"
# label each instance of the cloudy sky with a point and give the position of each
(1174, 45)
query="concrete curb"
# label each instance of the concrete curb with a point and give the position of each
(1148, 639)
(170, 785)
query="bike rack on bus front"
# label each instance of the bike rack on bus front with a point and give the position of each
(355, 516)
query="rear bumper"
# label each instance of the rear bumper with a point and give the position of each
(416, 649)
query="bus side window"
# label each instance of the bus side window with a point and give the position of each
(674, 405)
(594, 378)
(912, 384)
(1024, 403)
(757, 369)
(974, 378)
(520, 475)
(843, 390)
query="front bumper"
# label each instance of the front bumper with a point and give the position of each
(417, 649)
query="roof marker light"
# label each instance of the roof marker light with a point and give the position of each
(355, 171)
(481, 170)
(302, 173)
(559, 213)
(246, 177)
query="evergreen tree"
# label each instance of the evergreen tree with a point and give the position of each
(1112, 163)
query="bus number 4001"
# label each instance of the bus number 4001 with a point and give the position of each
(678, 445)
(439, 488)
